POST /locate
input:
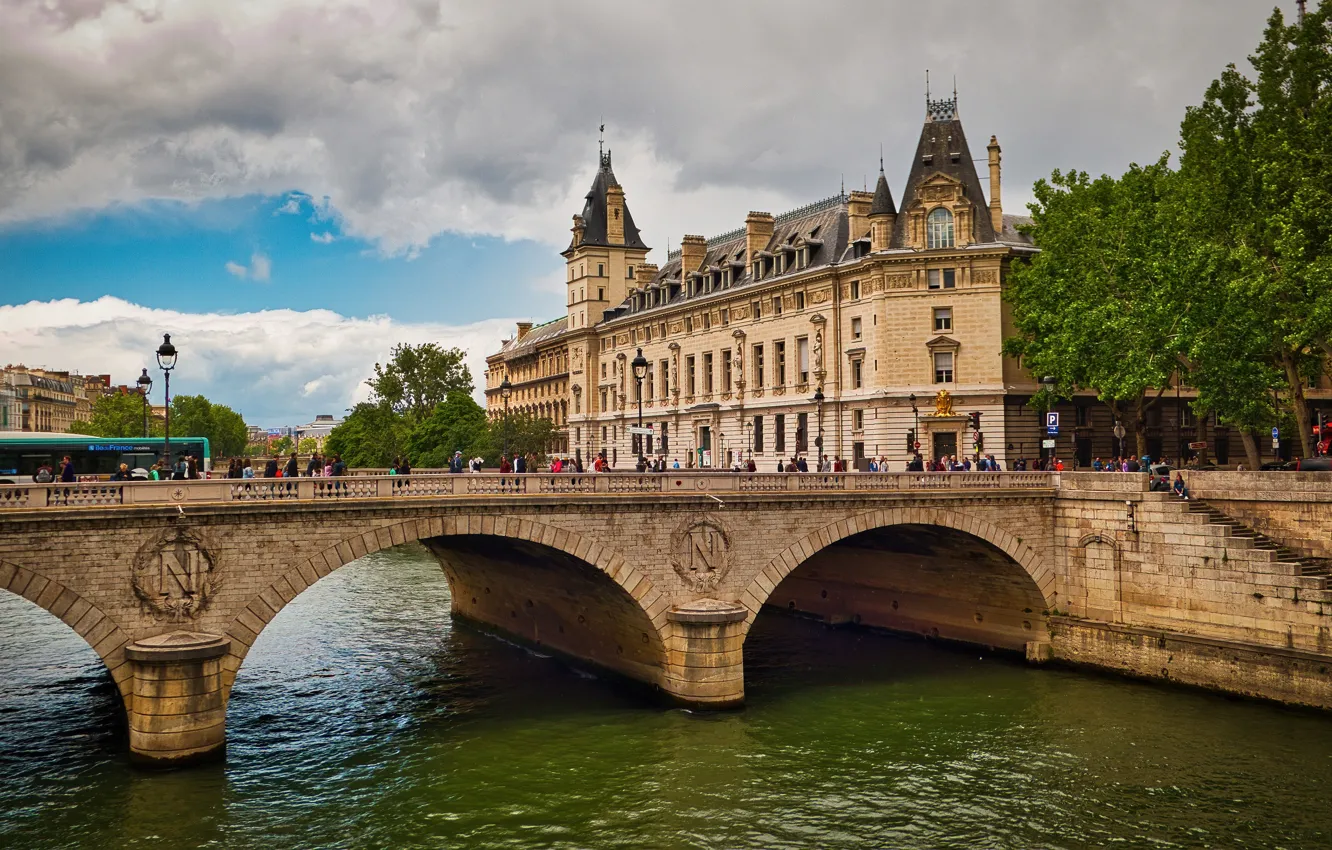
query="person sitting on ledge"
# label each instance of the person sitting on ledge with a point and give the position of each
(1181, 489)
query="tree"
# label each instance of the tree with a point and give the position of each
(196, 416)
(1096, 308)
(119, 415)
(370, 436)
(526, 434)
(1255, 168)
(419, 377)
(456, 424)
(283, 445)
(308, 446)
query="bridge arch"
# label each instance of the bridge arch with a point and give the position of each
(103, 634)
(246, 626)
(1032, 565)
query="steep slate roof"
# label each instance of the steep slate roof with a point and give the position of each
(1012, 235)
(513, 348)
(941, 137)
(883, 197)
(824, 220)
(594, 211)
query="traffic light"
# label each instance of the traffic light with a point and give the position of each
(973, 420)
(911, 440)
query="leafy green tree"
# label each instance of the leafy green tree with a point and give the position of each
(371, 435)
(456, 424)
(419, 377)
(1096, 308)
(283, 445)
(196, 416)
(523, 434)
(308, 446)
(116, 416)
(1255, 169)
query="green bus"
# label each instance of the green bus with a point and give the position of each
(22, 453)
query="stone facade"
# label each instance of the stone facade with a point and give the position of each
(843, 297)
(659, 578)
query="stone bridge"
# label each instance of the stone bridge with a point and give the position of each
(658, 578)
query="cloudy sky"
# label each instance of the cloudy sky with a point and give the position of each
(290, 187)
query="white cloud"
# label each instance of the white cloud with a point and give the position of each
(322, 238)
(420, 116)
(260, 268)
(277, 367)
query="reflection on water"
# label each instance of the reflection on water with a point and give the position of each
(363, 719)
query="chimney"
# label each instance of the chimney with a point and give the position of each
(692, 251)
(523, 328)
(645, 273)
(615, 214)
(857, 213)
(996, 207)
(577, 229)
(758, 233)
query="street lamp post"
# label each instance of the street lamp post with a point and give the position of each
(166, 361)
(915, 428)
(749, 437)
(506, 390)
(640, 365)
(145, 385)
(818, 442)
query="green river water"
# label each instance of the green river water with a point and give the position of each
(363, 719)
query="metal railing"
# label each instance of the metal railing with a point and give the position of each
(289, 490)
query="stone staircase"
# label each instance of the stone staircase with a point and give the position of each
(1316, 573)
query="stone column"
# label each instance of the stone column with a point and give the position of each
(705, 661)
(177, 714)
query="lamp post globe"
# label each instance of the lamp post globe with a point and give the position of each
(506, 390)
(145, 386)
(166, 361)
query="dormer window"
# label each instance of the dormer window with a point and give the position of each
(939, 229)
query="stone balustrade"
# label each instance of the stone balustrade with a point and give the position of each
(132, 493)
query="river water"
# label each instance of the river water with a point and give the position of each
(363, 719)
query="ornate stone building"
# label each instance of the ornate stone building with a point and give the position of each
(828, 321)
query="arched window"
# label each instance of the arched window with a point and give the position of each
(939, 229)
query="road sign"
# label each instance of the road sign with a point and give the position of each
(1047, 444)
(1119, 431)
(1276, 444)
(917, 445)
(1052, 422)
(646, 429)
(1198, 446)
(1276, 433)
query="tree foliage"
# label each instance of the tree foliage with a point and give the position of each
(419, 377)
(196, 416)
(119, 415)
(1097, 307)
(1220, 270)
(456, 424)
(524, 434)
(371, 435)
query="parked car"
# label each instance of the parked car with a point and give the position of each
(1314, 464)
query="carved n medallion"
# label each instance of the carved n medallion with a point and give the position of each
(701, 553)
(176, 574)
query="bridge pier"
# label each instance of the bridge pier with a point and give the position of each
(705, 654)
(177, 714)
